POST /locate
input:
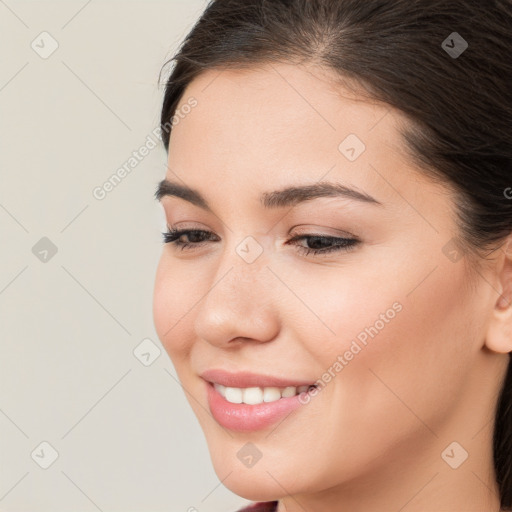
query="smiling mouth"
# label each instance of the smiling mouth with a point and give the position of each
(259, 395)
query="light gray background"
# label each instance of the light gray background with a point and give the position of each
(126, 437)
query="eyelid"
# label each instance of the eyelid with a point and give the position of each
(188, 225)
(304, 229)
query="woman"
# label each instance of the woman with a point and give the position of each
(336, 285)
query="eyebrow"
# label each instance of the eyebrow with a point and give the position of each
(289, 196)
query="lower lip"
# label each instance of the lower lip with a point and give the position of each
(245, 417)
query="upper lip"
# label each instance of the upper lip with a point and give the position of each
(249, 379)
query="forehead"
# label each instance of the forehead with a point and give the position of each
(273, 102)
(281, 123)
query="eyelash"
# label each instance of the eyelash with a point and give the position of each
(341, 244)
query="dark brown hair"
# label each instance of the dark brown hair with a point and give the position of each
(446, 65)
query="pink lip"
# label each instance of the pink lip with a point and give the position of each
(245, 417)
(249, 380)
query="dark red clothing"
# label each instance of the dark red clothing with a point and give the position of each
(267, 506)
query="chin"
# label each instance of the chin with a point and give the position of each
(262, 482)
(249, 489)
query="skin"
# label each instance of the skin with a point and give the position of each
(372, 438)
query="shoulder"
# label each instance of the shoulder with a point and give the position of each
(267, 506)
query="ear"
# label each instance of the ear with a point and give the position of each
(499, 334)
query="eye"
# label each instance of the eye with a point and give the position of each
(173, 237)
(322, 244)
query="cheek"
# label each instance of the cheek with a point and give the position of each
(403, 346)
(343, 310)
(173, 299)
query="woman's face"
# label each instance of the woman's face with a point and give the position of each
(387, 327)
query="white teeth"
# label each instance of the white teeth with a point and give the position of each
(271, 394)
(289, 391)
(252, 396)
(234, 395)
(257, 395)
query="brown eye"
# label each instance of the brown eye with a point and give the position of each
(196, 237)
(322, 244)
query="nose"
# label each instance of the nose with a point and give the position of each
(239, 304)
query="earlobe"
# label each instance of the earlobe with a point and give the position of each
(503, 302)
(499, 334)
